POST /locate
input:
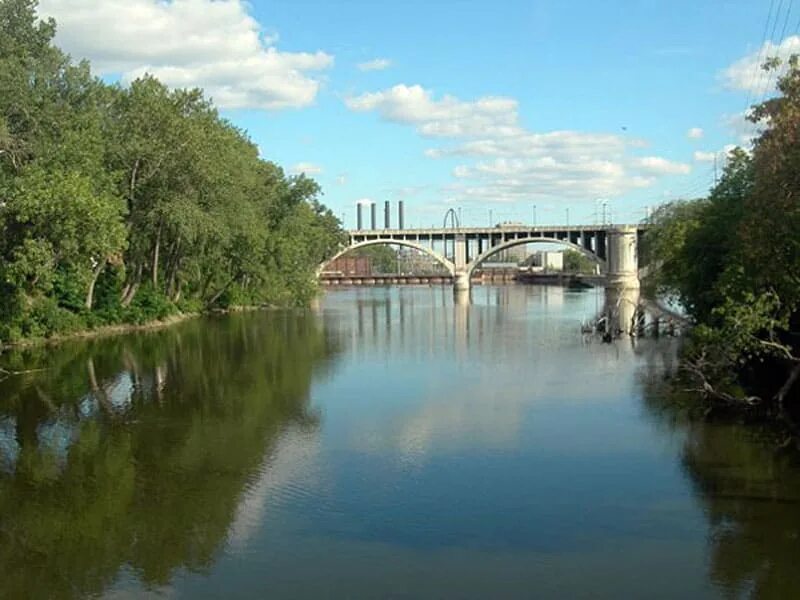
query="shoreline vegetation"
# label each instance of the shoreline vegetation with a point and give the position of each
(126, 328)
(732, 260)
(122, 206)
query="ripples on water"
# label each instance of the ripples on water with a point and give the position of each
(388, 443)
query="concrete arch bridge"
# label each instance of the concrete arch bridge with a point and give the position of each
(613, 247)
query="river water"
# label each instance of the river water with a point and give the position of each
(387, 443)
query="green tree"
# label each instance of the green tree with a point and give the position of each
(733, 260)
(130, 203)
(383, 258)
(576, 262)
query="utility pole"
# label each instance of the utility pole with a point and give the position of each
(534, 216)
(715, 169)
(567, 216)
(490, 217)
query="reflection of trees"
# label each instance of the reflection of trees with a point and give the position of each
(750, 494)
(751, 497)
(162, 432)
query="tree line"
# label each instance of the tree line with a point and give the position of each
(733, 261)
(128, 203)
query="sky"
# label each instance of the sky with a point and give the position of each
(504, 110)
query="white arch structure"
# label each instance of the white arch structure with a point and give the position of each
(451, 268)
(613, 247)
(481, 258)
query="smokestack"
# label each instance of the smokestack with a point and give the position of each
(400, 216)
(386, 214)
(372, 215)
(359, 220)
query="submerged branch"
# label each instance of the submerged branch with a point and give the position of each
(6, 373)
(698, 369)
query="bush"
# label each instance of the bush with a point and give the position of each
(46, 318)
(148, 305)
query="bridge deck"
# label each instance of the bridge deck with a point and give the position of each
(488, 231)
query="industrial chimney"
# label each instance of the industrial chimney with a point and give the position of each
(372, 215)
(359, 220)
(386, 215)
(400, 215)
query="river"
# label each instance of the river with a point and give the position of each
(386, 443)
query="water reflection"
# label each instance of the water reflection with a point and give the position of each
(134, 451)
(396, 441)
(749, 490)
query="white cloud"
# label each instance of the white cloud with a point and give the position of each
(695, 133)
(307, 168)
(560, 143)
(446, 117)
(701, 156)
(365, 201)
(654, 165)
(720, 155)
(746, 73)
(508, 180)
(514, 163)
(213, 44)
(744, 129)
(377, 64)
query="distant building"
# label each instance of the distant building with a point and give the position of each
(516, 254)
(413, 262)
(350, 265)
(546, 261)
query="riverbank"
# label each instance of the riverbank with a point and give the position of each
(124, 328)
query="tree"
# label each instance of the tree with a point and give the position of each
(733, 260)
(383, 258)
(130, 203)
(575, 262)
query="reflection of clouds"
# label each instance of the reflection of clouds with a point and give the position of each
(56, 437)
(120, 391)
(451, 420)
(129, 588)
(9, 447)
(480, 369)
(88, 407)
(289, 468)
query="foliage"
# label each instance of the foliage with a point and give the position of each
(575, 262)
(382, 257)
(733, 260)
(122, 204)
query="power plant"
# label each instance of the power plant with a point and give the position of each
(387, 211)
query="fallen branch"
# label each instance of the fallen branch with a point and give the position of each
(710, 392)
(787, 386)
(5, 373)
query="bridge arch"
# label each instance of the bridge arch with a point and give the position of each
(451, 268)
(481, 258)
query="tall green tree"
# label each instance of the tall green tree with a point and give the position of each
(129, 203)
(733, 259)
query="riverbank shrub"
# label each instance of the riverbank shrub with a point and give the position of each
(733, 261)
(124, 204)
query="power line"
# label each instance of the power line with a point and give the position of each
(771, 73)
(760, 57)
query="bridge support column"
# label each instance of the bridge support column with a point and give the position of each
(460, 258)
(461, 277)
(623, 258)
(461, 281)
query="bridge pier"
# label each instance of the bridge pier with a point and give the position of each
(461, 281)
(623, 258)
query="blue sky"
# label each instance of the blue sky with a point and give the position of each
(502, 105)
